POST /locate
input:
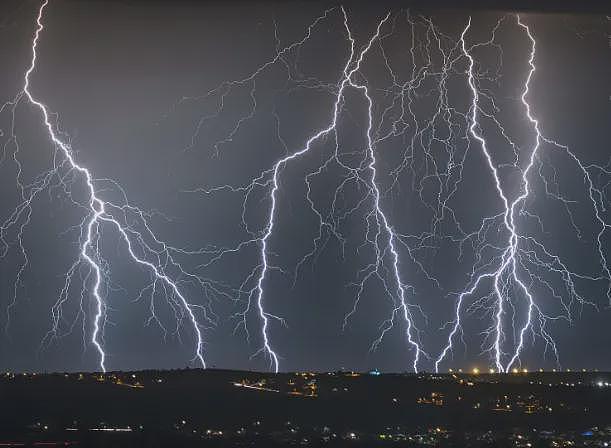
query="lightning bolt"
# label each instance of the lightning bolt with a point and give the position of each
(100, 212)
(383, 238)
(523, 253)
(430, 138)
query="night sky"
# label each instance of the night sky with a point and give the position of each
(141, 92)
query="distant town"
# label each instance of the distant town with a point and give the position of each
(218, 408)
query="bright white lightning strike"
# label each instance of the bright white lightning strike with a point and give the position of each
(98, 215)
(512, 269)
(510, 261)
(384, 229)
(346, 81)
(520, 254)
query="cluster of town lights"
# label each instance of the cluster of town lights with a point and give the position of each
(477, 371)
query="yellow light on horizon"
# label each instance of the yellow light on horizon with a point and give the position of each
(475, 371)
(514, 370)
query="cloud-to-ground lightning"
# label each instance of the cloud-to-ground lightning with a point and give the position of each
(143, 247)
(523, 254)
(395, 204)
(512, 271)
(380, 234)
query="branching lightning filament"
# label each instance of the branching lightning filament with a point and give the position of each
(143, 247)
(425, 114)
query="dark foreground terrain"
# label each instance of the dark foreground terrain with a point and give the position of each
(216, 408)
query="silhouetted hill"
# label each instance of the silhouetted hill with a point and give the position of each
(232, 407)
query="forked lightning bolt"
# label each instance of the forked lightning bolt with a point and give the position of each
(99, 213)
(521, 261)
(416, 141)
(381, 236)
(524, 260)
